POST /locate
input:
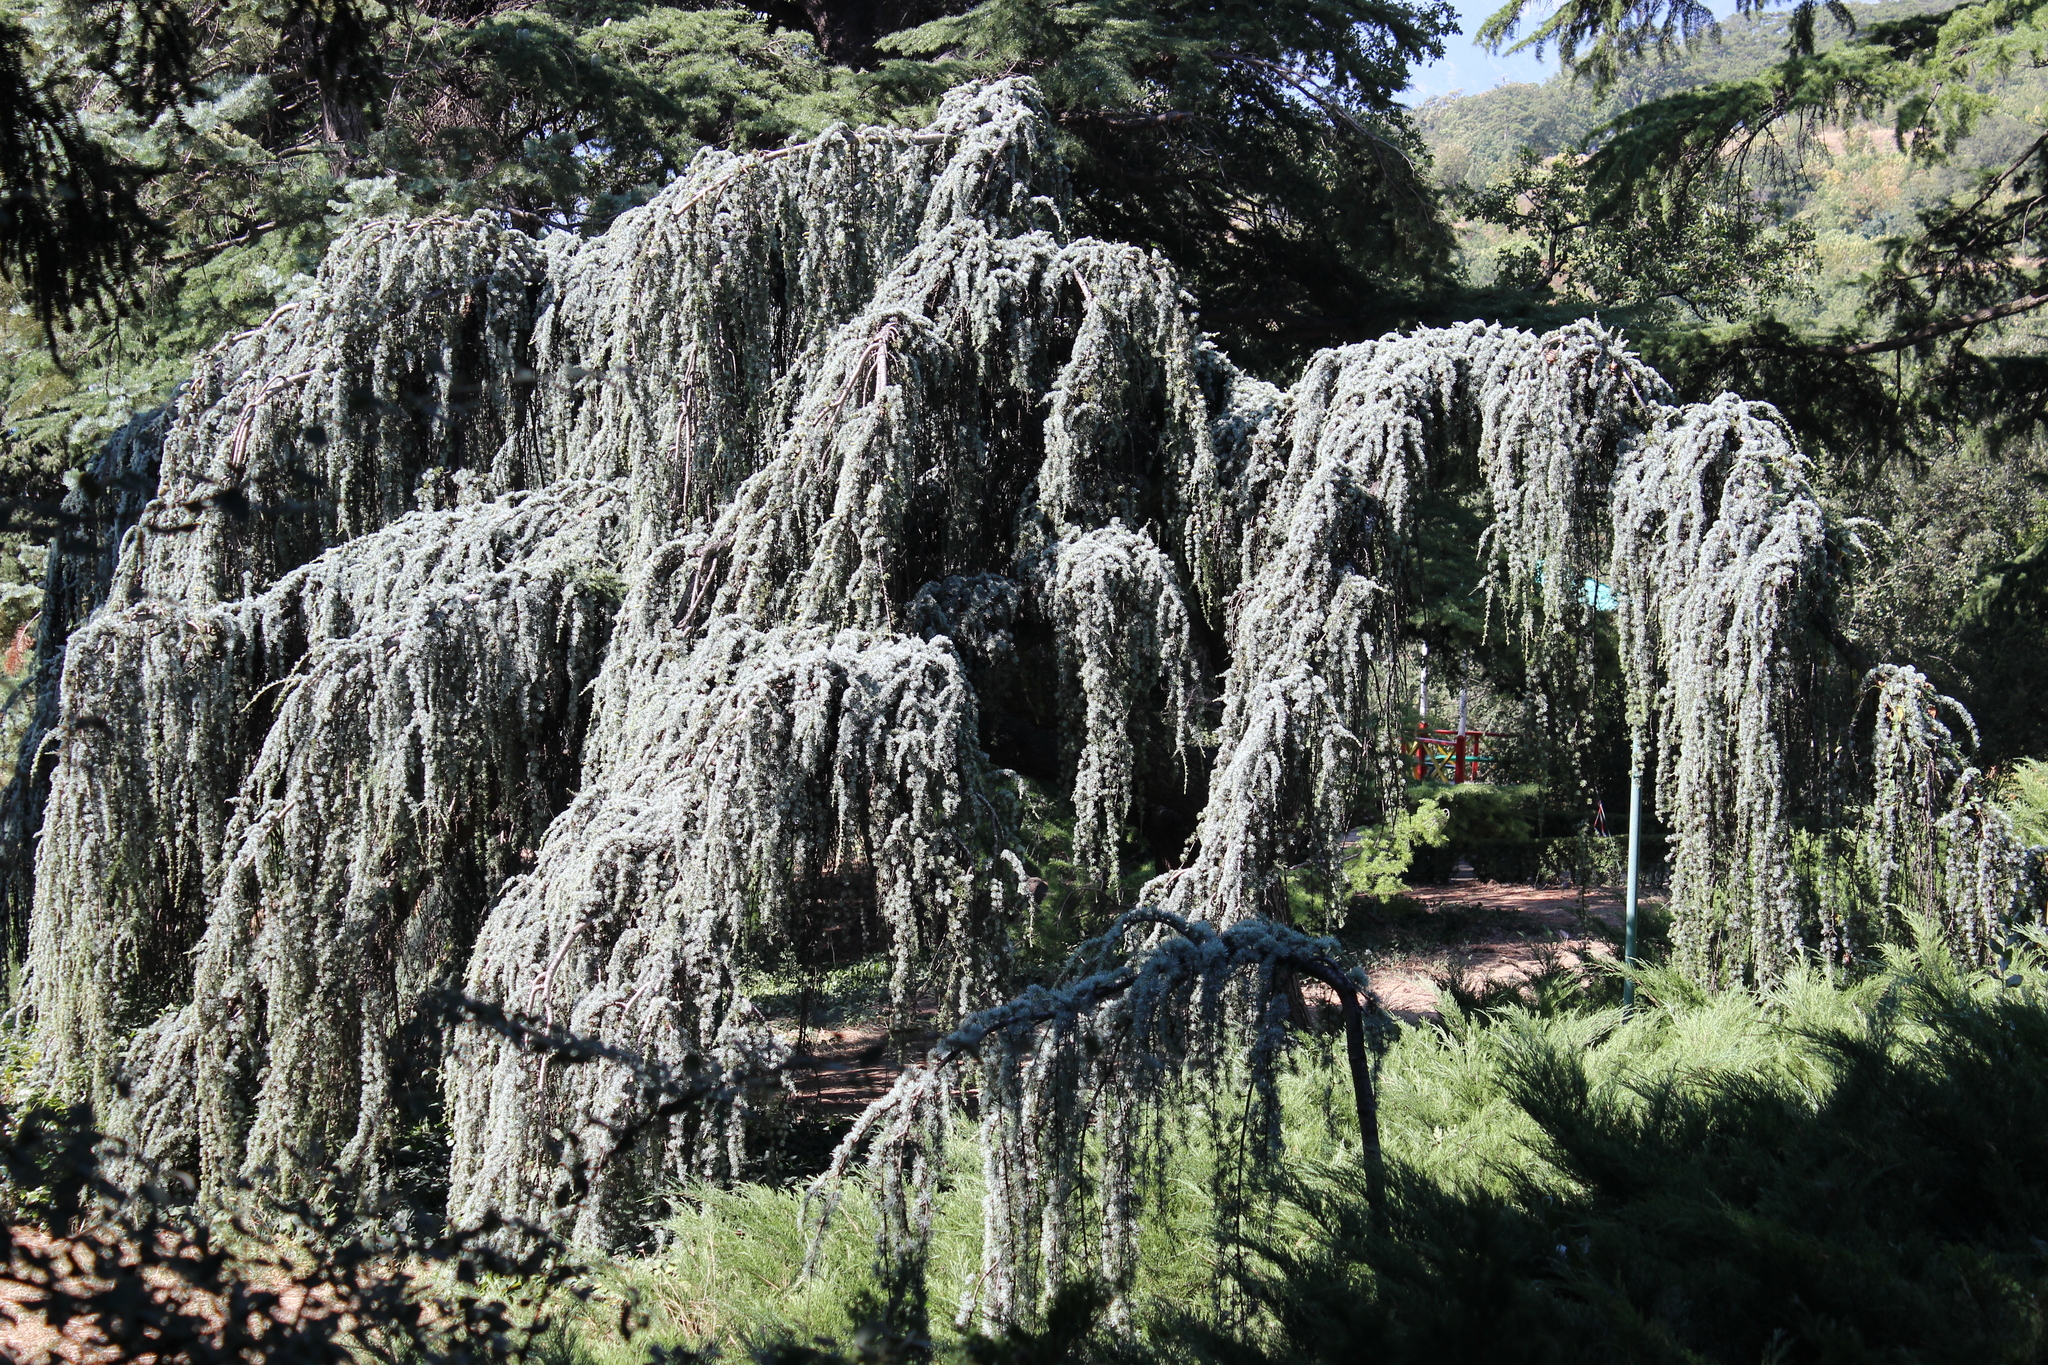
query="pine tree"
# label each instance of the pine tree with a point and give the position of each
(1930, 351)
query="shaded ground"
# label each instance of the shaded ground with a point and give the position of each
(842, 1069)
(833, 1074)
(185, 1309)
(1484, 934)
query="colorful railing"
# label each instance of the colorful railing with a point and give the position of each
(1447, 756)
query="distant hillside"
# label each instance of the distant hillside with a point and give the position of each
(1851, 187)
(1473, 138)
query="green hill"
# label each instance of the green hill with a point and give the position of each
(1851, 189)
(1474, 138)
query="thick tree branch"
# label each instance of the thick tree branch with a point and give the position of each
(1128, 120)
(1961, 322)
(1040, 1006)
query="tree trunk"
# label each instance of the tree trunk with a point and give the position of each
(846, 30)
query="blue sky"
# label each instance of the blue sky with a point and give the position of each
(1471, 68)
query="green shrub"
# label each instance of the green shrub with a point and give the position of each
(1483, 812)
(2024, 794)
(1386, 852)
(1823, 1174)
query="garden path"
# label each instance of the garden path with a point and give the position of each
(1491, 936)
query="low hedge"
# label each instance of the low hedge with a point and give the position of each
(1554, 861)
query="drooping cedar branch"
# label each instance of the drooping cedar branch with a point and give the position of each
(1089, 1064)
(563, 620)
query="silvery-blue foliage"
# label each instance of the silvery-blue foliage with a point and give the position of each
(546, 618)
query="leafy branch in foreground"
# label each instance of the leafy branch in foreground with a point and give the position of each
(133, 1268)
(1108, 1064)
(72, 224)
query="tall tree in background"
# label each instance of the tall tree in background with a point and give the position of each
(1931, 347)
(1257, 146)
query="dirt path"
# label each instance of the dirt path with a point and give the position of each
(1491, 933)
(1488, 933)
(841, 1070)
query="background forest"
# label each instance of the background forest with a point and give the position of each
(695, 679)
